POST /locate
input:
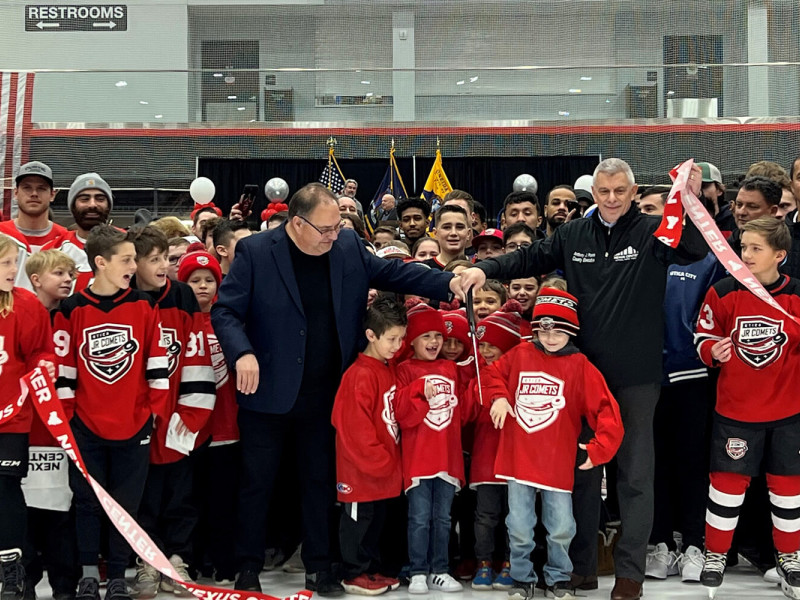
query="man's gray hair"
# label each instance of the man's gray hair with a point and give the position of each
(612, 166)
(346, 181)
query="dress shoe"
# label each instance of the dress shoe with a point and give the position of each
(583, 582)
(626, 589)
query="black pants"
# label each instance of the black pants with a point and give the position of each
(586, 509)
(309, 441)
(50, 545)
(167, 512)
(682, 430)
(359, 535)
(13, 467)
(216, 481)
(121, 468)
(491, 508)
(635, 465)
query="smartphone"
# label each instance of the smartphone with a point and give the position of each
(248, 198)
(574, 205)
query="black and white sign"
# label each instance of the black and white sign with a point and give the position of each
(76, 17)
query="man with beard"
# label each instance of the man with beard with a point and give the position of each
(557, 209)
(32, 228)
(90, 201)
(713, 196)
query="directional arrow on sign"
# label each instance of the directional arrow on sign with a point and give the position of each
(109, 25)
(43, 25)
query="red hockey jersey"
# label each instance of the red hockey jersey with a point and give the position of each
(192, 390)
(550, 394)
(222, 425)
(759, 383)
(430, 432)
(113, 370)
(368, 465)
(25, 339)
(72, 245)
(27, 245)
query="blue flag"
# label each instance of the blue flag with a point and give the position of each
(392, 183)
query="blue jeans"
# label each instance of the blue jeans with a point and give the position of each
(560, 525)
(429, 525)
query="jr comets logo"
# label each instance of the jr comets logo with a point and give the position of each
(442, 404)
(539, 399)
(169, 340)
(736, 448)
(758, 341)
(108, 351)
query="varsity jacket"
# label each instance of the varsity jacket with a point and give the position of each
(619, 275)
(25, 339)
(368, 465)
(192, 390)
(27, 245)
(759, 383)
(550, 393)
(686, 288)
(113, 369)
(72, 245)
(430, 432)
(222, 425)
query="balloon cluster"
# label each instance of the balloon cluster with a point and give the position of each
(276, 190)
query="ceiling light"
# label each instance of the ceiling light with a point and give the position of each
(585, 78)
(217, 74)
(563, 113)
(369, 94)
(473, 79)
(231, 97)
(608, 101)
(121, 83)
(460, 82)
(143, 102)
(365, 82)
(159, 116)
(241, 108)
(574, 90)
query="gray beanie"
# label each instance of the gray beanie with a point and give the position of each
(88, 181)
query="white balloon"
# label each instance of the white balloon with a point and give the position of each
(202, 190)
(584, 182)
(276, 190)
(526, 183)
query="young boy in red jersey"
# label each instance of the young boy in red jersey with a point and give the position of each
(546, 387)
(214, 477)
(497, 334)
(430, 416)
(51, 273)
(25, 343)
(757, 413)
(112, 377)
(368, 466)
(167, 512)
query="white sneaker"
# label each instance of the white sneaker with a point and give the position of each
(444, 582)
(295, 563)
(145, 585)
(661, 562)
(181, 570)
(771, 576)
(691, 564)
(418, 584)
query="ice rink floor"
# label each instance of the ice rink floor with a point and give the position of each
(742, 581)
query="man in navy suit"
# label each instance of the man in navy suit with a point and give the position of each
(289, 318)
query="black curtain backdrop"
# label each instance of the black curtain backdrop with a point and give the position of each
(488, 179)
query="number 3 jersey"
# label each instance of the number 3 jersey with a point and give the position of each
(759, 383)
(25, 339)
(113, 369)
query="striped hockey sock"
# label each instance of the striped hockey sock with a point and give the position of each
(725, 498)
(784, 499)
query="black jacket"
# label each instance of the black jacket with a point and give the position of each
(791, 266)
(619, 276)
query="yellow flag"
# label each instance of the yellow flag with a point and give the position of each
(437, 183)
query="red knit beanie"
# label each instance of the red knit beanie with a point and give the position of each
(191, 261)
(556, 310)
(455, 321)
(421, 319)
(501, 329)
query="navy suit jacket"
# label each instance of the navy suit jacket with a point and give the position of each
(259, 309)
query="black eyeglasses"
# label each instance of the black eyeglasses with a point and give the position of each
(174, 260)
(517, 245)
(325, 230)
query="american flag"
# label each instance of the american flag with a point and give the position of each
(332, 177)
(16, 96)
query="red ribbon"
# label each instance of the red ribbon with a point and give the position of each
(50, 410)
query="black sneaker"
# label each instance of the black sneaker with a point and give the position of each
(88, 589)
(561, 589)
(64, 595)
(13, 575)
(324, 584)
(521, 590)
(248, 581)
(30, 590)
(117, 589)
